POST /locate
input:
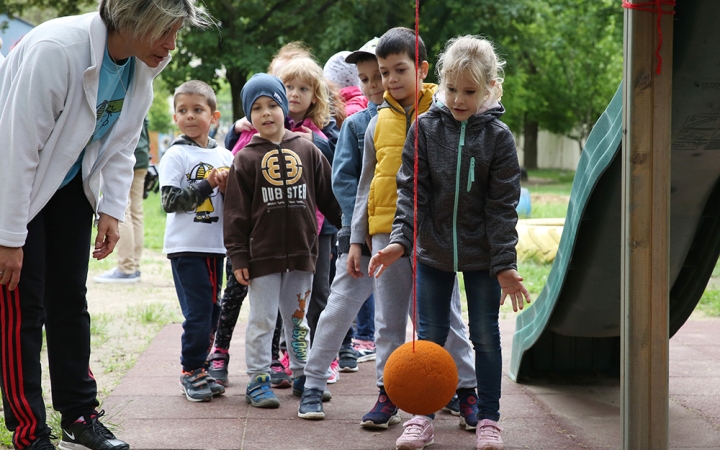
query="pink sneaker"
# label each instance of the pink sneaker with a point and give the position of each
(488, 435)
(365, 349)
(418, 434)
(335, 372)
(285, 361)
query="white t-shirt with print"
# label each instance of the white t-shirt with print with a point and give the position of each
(199, 230)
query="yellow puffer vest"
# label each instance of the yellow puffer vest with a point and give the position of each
(390, 132)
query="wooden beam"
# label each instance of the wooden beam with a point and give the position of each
(647, 101)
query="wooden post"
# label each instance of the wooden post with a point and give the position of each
(647, 101)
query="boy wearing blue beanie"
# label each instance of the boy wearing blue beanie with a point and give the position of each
(275, 184)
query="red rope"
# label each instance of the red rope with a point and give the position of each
(654, 7)
(415, 173)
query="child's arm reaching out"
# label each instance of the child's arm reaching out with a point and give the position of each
(511, 285)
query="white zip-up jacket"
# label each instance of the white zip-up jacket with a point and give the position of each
(48, 96)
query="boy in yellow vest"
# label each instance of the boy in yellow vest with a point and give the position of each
(372, 219)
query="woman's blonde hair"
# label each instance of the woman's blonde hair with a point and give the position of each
(474, 57)
(309, 72)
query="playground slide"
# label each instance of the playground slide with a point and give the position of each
(574, 325)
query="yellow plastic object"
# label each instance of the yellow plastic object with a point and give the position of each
(538, 239)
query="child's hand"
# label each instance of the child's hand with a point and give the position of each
(384, 258)
(242, 276)
(353, 261)
(306, 133)
(212, 178)
(511, 285)
(243, 125)
(221, 177)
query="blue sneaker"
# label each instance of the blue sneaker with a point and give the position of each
(259, 393)
(383, 414)
(453, 406)
(299, 388)
(468, 410)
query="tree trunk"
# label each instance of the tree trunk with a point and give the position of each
(530, 139)
(237, 80)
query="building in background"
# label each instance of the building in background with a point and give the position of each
(16, 28)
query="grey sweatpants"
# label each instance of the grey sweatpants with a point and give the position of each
(290, 293)
(393, 306)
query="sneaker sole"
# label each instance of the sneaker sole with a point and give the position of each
(116, 280)
(348, 369)
(366, 358)
(411, 446)
(284, 384)
(312, 415)
(394, 420)
(267, 403)
(202, 399)
(453, 412)
(490, 447)
(467, 426)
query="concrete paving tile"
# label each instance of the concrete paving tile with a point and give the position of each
(708, 406)
(692, 432)
(697, 385)
(185, 434)
(152, 408)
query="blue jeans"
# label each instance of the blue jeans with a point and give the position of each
(434, 290)
(365, 329)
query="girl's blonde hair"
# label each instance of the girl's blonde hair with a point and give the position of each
(288, 52)
(309, 72)
(474, 57)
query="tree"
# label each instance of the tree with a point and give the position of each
(249, 32)
(159, 116)
(564, 65)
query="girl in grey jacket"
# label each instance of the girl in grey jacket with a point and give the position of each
(468, 186)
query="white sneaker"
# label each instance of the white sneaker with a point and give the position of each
(117, 276)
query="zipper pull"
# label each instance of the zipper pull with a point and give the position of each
(471, 174)
(96, 221)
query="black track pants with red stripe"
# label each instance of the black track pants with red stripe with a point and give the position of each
(51, 292)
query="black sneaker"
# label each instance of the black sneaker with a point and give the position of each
(43, 443)
(90, 434)
(278, 377)
(215, 387)
(348, 359)
(299, 388)
(311, 405)
(218, 367)
(195, 386)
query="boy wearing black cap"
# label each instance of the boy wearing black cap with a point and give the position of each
(275, 184)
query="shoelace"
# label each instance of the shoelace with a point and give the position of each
(218, 364)
(413, 429)
(99, 428)
(490, 432)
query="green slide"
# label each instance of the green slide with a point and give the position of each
(574, 325)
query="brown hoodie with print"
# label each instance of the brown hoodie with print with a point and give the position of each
(270, 200)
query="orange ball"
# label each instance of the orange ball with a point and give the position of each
(421, 381)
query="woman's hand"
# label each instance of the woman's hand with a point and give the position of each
(384, 258)
(511, 285)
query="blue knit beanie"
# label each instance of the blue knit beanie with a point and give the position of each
(262, 84)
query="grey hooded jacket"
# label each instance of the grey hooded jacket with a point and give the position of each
(468, 189)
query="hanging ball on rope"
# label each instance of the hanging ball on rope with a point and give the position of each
(422, 381)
